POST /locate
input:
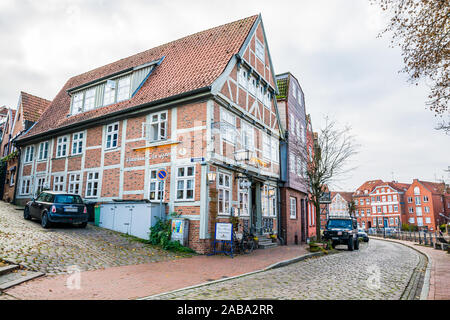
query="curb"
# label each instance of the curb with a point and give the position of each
(273, 266)
(427, 276)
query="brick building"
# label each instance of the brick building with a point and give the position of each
(363, 202)
(29, 110)
(201, 107)
(425, 201)
(294, 191)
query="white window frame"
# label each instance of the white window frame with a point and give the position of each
(77, 142)
(185, 178)
(157, 121)
(156, 186)
(59, 182)
(61, 146)
(243, 199)
(11, 178)
(89, 96)
(267, 146)
(91, 181)
(77, 102)
(114, 134)
(243, 77)
(73, 182)
(228, 126)
(247, 136)
(40, 184)
(426, 209)
(292, 163)
(43, 150)
(275, 147)
(224, 209)
(293, 207)
(29, 154)
(260, 51)
(123, 91)
(25, 186)
(110, 93)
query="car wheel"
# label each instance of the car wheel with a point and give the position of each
(357, 244)
(45, 223)
(82, 225)
(26, 213)
(333, 244)
(350, 244)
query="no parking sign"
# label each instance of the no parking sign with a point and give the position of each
(162, 175)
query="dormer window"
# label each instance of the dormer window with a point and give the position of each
(105, 91)
(110, 93)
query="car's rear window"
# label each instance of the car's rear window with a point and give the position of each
(68, 199)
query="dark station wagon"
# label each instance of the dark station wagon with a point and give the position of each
(57, 207)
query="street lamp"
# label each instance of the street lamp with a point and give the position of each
(212, 176)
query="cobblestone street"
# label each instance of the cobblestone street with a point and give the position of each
(379, 270)
(54, 250)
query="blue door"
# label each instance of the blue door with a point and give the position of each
(385, 222)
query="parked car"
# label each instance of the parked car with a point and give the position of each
(363, 234)
(57, 207)
(342, 231)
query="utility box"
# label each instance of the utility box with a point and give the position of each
(133, 218)
(180, 231)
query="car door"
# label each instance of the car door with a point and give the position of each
(35, 206)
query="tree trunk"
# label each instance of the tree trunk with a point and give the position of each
(318, 237)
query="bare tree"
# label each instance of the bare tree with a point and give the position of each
(422, 30)
(333, 149)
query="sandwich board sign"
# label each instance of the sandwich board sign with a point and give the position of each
(223, 236)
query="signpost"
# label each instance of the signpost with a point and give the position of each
(161, 175)
(223, 235)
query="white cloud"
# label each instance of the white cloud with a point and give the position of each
(330, 46)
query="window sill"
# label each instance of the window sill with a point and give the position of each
(112, 149)
(75, 155)
(184, 200)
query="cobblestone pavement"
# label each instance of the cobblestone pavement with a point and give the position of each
(55, 250)
(379, 270)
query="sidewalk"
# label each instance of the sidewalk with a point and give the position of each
(440, 270)
(131, 282)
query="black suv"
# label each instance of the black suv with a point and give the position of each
(342, 230)
(51, 206)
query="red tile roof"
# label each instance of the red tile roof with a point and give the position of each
(399, 186)
(190, 63)
(368, 185)
(434, 187)
(33, 107)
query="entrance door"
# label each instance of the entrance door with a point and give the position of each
(303, 220)
(386, 222)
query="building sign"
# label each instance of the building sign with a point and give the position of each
(244, 184)
(151, 157)
(224, 231)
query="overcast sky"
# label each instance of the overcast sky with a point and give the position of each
(331, 46)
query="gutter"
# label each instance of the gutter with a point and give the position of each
(142, 108)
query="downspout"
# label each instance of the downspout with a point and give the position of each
(283, 242)
(17, 175)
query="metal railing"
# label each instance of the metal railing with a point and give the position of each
(432, 239)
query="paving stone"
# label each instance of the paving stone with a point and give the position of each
(342, 276)
(54, 250)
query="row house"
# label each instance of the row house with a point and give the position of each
(340, 201)
(387, 206)
(202, 107)
(426, 203)
(362, 200)
(29, 110)
(311, 145)
(295, 208)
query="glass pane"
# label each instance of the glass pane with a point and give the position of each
(181, 172)
(190, 171)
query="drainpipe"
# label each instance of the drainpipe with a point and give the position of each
(283, 242)
(16, 182)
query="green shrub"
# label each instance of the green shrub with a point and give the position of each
(442, 227)
(160, 234)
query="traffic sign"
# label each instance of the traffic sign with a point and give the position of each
(162, 175)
